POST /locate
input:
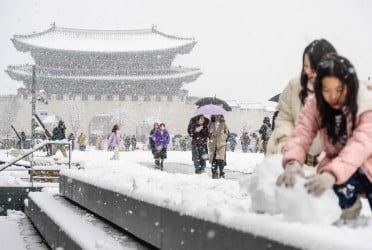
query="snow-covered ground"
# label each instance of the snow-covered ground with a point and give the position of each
(246, 200)
(19, 232)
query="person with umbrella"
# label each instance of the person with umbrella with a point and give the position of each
(198, 131)
(151, 140)
(218, 135)
(213, 101)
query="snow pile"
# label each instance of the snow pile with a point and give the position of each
(261, 185)
(197, 195)
(295, 204)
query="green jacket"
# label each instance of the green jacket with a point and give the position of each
(58, 133)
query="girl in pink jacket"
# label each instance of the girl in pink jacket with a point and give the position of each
(341, 110)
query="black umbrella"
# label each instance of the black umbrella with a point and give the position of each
(234, 134)
(213, 100)
(275, 98)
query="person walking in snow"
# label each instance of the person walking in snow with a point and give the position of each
(341, 111)
(151, 140)
(161, 138)
(293, 98)
(244, 141)
(133, 142)
(198, 131)
(113, 142)
(59, 134)
(265, 131)
(127, 143)
(254, 143)
(218, 135)
(232, 142)
(81, 141)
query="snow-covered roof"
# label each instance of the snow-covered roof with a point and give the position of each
(23, 72)
(86, 40)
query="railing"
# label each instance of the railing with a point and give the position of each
(37, 147)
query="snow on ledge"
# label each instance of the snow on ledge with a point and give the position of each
(219, 201)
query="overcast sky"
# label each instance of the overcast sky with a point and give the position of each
(247, 50)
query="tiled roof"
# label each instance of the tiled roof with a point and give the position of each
(25, 71)
(83, 40)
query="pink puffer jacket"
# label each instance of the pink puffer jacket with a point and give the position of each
(341, 161)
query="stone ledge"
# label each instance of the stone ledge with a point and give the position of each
(160, 227)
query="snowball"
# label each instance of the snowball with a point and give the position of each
(296, 204)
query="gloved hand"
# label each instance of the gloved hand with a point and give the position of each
(319, 183)
(352, 212)
(288, 177)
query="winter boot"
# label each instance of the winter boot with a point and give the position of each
(352, 212)
(222, 173)
(157, 163)
(214, 172)
(161, 165)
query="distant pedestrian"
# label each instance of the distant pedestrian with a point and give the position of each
(244, 141)
(99, 141)
(265, 131)
(127, 143)
(151, 140)
(254, 143)
(113, 142)
(81, 142)
(59, 134)
(133, 142)
(161, 138)
(21, 142)
(232, 142)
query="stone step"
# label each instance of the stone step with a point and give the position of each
(50, 179)
(12, 197)
(18, 233)
(64, 225)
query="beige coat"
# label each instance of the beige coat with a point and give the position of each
(81, 139)
(217, 140)
(289, 111)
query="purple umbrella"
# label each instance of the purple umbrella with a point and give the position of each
(210, 109)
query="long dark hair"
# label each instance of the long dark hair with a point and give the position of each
(333, 65)
(115, 128)
(315, 50)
